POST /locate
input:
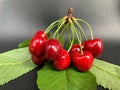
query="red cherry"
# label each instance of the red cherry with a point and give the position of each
(94, 46)
(75, 47)
(40, 33)
(38, 60)
(63, 60)
(37, 43)
(52, 49)
(82, 62)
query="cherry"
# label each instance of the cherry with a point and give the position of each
(52, 49)
(75, 47)
(63, 60)
(38, 60)
(94, 46)
(37, 43)
(82, 62)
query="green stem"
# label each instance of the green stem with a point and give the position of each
(63, 19)
(80, 42)
(91, 31)
(69, 37)
(78, 37)
(63, 30)
(73, 36)
(79, 34)
(80, 28)
(62, 35)
(62, 23)
(51, 26)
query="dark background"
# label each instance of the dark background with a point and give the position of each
(20, 19)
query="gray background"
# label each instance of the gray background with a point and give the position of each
(20, 19)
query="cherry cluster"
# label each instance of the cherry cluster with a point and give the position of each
(81, 54)
(43, 49)
(91, 49)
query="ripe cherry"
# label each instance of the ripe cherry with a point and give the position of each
(38, 60)
(52, 49)
(37, 43)
(63, 60)
(94, 46)
(82, 62)
(75, 47)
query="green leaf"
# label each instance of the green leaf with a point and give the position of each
(70, 79)
(107, 75)
(14, 63)
(24, 43)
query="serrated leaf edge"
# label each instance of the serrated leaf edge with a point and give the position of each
(20, 75)
(104, 71)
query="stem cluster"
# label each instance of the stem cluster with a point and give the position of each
(69, 29)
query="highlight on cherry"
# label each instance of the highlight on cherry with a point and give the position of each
(64, 43)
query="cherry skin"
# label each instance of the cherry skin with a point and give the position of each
(40, 33)
(63, 61)
(75, 47)
(37, 43)
(94, 46)
(52, 49)
(82, 62)
(38, 60)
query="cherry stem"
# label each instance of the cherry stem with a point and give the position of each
(80, 42)
(57, 30)
(90, 29)
(80, 28)
(51, 26)
(70, 11)
(73, 35)
(63, 19)
(62, 33)
(79, 35)
(63, 30)
(69, 36)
